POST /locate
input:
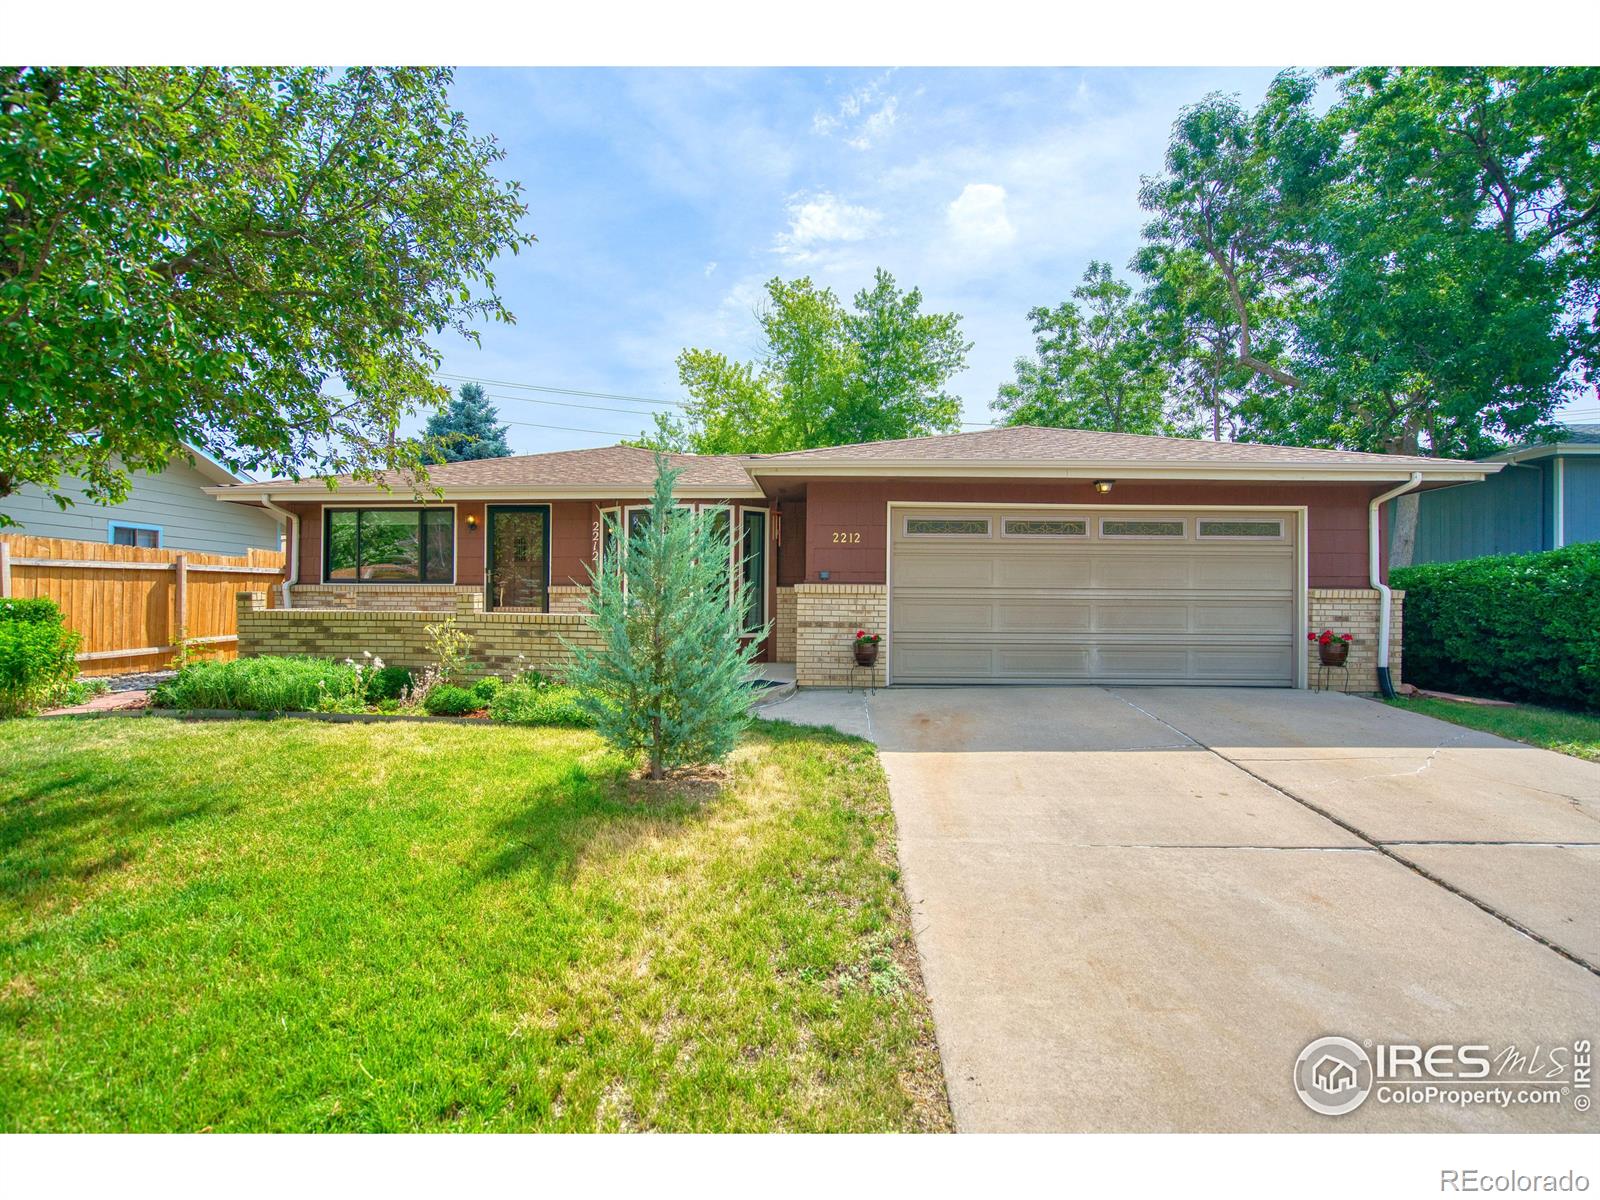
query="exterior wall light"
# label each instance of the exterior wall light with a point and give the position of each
(1102, 486)
(472, 521)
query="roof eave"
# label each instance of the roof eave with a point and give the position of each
(1443, 471)
(586, 491)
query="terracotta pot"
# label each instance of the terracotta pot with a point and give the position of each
(866, 653)
(1333, 654)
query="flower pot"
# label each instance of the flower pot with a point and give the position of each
(866, 654)
(1333, 654)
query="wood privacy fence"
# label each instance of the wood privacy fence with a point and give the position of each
(134, 605)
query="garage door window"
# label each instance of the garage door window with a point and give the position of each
(1121, 528)
(1240, 529)
(1044, 529)
(947, 526)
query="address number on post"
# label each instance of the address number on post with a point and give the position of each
(846, 537)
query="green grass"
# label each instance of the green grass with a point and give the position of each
(1554, 729)
(290, 925)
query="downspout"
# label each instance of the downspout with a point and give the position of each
(291, 521)
(1385, 596)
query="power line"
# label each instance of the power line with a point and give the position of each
(560, 391)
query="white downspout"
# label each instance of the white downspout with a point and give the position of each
(1385, 596)
(291, 521)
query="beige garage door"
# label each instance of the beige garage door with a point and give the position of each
(980, 595)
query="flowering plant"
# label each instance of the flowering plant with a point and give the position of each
(1327, 637)
(863, 638)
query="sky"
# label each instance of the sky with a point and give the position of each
(663, 200)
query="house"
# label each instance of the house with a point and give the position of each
(1333, 1075)
(1547, 496)
(168, 509)
(1012, 555)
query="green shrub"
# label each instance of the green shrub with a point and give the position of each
(1515, 626)
(547, 704)
(37, 609)
(485, 689)
(37, 660)
(447, 700)
(388, 683)
(266, 684)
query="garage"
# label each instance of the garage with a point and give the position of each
(1006, 594)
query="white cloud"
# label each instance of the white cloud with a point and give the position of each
(864, 116)
(710, 267)
(977, 218)
(820, 220)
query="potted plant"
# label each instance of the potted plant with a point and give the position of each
(866, 648)
(1333, 648)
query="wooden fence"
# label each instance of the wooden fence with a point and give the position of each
(133, 605)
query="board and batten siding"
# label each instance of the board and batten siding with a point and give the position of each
(172, 500)
(1583, 498)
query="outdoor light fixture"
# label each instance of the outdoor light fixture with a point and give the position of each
(1102, 486)
(472, 521)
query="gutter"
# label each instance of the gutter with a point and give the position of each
(291, 522)
(1385, 596)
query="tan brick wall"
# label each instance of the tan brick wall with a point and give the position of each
(827, 616)
(407, 597)
(1355, 611)
(502, 643)
(783, 627)
(566, 598)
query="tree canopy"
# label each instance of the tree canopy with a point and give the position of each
(253, 261)
(827, 375)
(467, 427)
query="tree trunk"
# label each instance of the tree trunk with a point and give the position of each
(1403, 536)
(655, 770)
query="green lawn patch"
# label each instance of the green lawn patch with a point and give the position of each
(1552, 728)
(287, 925)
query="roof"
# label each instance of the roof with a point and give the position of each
(1579, 439)
(1020, 451)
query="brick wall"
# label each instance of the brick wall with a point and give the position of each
(408, 597)
(827, 616)
(502, 643)
(566, 598)
(783, 628)
(1355, 610)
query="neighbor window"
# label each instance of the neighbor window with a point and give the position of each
(135, 535)
(1028, 528)
(389, 545)
(1239, 529)
(753, 568)
(1140, 529)
(947, 526)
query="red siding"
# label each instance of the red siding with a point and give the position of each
(1336, 517)
(792, 545)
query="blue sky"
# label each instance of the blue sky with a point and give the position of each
(664, 199)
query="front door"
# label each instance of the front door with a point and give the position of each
(518, 575)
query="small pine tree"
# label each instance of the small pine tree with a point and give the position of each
(467, 428)
(670, 678)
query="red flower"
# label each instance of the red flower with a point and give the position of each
(861, 633)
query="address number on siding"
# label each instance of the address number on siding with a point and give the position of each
(841, 537)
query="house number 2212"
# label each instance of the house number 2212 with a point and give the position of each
(840, 536)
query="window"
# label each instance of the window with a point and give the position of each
(1118, 528)
(389, 545)
(753, 568)
(947, 526)
(1217, 528)
(147, 536)
(1031, 528)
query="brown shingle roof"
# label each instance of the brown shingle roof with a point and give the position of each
(1022, 443)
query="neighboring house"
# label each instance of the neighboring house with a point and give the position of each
(168, 510)
(1547, 496)
(1014, 555)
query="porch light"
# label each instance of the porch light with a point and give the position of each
(1102, 486)
(472, 521)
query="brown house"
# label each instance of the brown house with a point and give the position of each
(1014, 555)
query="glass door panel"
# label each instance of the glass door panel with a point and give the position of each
(519, 559)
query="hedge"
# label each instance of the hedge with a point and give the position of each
(39, 609)
(38, 656)
(1514, 626)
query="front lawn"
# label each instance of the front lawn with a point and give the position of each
(1552, 728)
(288, 925)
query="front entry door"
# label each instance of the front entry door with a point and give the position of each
(518, 576)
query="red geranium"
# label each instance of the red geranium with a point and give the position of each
(1327, 637)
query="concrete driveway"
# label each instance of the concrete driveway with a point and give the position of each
(1135, 906)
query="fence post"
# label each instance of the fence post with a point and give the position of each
(180, 608)
(5, 569)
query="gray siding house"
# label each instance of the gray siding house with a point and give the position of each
(1547, 496)
(168, 509)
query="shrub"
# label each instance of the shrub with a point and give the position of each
(447, 700)
(1515, 626)
(37, 609)
(266, 684)
(528, 704)
(484, 690)
(37, 659)
(388, 683)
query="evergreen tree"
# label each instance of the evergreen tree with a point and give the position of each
(466, 428)
(669, 680)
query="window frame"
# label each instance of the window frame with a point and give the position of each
(1202, 536)
(986, 535)
(422, 547)
(1181, 536)
(137, 528)
(737, 563)
(1088, 527)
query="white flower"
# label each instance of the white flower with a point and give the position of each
(366, 654)
(377, 664)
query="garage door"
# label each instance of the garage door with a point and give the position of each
(1003, 595)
